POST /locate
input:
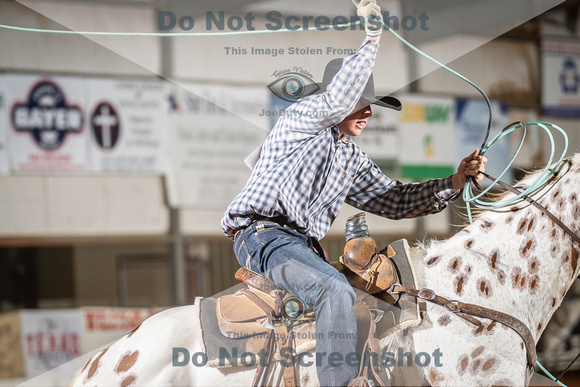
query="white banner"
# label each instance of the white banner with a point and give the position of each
(211, 129)
(49, 338)
(46, 120)
(104, 325)
(125, 119)
(426, 137)
(561, 78)
(4, 166)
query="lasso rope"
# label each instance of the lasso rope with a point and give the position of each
(468, 196)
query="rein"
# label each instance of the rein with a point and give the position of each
(534, 203)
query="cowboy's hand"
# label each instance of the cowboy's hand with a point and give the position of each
(469, 166)
(371, 13)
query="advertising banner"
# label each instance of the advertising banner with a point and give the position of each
(561, 78)
(211, 129)
(125, 119)
(46, 126)
(50, 338)
(104, 325)
(426, 137)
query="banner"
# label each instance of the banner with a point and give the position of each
(46, 120)
(105, 325)
(49, 338)
(125, 119)
(4, 166)
(561, 78)
(426, 137)
(211, 129)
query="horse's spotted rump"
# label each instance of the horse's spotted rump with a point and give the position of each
(126, 362)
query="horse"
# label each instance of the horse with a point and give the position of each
(515, 260)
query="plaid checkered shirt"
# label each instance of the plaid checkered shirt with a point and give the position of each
(306, 171)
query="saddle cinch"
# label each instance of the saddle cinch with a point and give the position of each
(274, 321)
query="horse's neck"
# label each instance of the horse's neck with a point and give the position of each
(515, 262)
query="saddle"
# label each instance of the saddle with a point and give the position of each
(274, 321)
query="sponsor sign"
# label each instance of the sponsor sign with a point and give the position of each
(126, 124)
(46, 123)
(426, 137)
(213, 128)
(50, 338)
(561, 77)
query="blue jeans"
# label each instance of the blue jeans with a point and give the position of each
(287, 259)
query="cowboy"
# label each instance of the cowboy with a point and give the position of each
(307, 168)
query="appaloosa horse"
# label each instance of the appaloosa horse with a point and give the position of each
(516, 261)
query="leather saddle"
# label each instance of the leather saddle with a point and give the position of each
(269, 317)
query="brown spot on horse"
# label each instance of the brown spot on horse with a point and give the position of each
(444, 320)
(469, 243)
(522, 226)
(455, 264)
(494, 257)
(477, 351)
(432, 261)
(574, 260)
(484, 288)
(527, 247)
(488, 365)
(459, 285)
(129, 380)
(95, 365)
(126, 362)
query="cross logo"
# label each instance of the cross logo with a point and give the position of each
(106, 125)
